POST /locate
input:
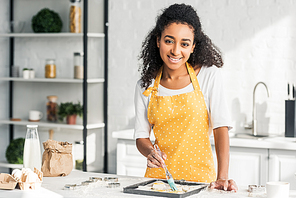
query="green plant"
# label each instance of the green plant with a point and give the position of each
(25, 69)
(70, 108)
(15, 150)
(47, 20)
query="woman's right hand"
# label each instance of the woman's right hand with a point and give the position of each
(154, 160)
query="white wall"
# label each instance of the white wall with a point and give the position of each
(257, 39)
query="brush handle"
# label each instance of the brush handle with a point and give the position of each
(167, 173)
(158, 150)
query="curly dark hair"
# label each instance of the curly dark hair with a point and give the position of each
(205, 52)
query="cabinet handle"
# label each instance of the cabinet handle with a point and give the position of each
(280, 175)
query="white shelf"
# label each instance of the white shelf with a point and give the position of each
(56, 80)
(54, 125)
(63, 34)
(7, 165)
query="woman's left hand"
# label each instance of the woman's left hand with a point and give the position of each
(224, 184)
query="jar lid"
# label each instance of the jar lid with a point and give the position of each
(32, 126)
(79, 142)
(52, 98)
(50, 61)
(78, 53)
(73, 1)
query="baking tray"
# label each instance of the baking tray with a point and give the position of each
(132, 189)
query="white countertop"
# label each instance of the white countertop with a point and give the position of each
(53, 187)
(267, 142)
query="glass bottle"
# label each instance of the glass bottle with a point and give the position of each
(78, 65)
(52, 108)
(75, 16)
(32, 152)
(50, 68)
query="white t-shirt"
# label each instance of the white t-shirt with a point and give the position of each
(211, 84)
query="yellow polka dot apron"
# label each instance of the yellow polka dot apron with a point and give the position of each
(180, 125)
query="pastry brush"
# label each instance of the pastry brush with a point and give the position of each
(168, 175)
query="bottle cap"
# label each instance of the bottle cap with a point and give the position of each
(78, 53)
(32, 126)
(50, 61)
(52, 98)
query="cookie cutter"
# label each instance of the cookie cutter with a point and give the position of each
(111, 179)
(95, 179)
(113, 185)
(87, 182)
(256, 188)
(71, 186)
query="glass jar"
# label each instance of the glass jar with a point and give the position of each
(75, 16)
(32, 152)
(52, 108)
(50, 68)
(78, 65)
(78, 154)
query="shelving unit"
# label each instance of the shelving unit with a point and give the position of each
(15, 81)
(7, 165)
(54, 125)
(62, 34)
(53, 80)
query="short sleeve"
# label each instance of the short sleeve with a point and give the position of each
(142, 125)
(218, 108)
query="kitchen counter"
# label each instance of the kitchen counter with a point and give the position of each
(252, 160)
(53, 187)
(248, 142)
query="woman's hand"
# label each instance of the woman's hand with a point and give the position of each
(154, 160)
(224, 184)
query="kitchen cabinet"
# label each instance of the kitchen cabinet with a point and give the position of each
(252, 161)
(129, 161)
(248, 165)
(31, 49)
(282, 166)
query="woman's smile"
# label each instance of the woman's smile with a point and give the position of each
(173, 59)
(175, 45)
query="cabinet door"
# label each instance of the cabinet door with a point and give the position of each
(247, 165)
(282, 166)
(129, 160)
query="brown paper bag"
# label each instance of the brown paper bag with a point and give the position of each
(56, 159)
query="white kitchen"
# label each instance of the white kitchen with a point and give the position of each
(256, 39)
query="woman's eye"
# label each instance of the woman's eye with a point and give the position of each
(185, 44)
(169, 41)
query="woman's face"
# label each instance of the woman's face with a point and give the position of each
(175, 45)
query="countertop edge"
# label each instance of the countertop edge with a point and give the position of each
(281, 143)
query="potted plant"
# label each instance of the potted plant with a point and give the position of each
(26, 73)
(70, 110)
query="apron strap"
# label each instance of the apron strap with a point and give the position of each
(154, 89)
(193, 76)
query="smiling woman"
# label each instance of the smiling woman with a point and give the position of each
(175, 46)
(180, 95)
(205, 53)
